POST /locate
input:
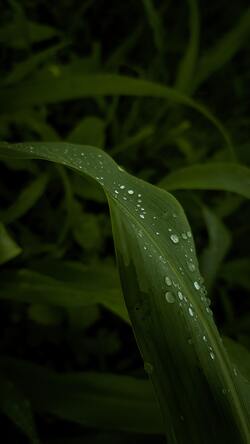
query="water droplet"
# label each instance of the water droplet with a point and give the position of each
(157, 233)
(148, 368)
(212, 355)
(139, 195)
(235, 371)
(196, 285)
(169, 297)
(180, 295)
(130, 191)
(142, 216)
(191, 266)
(204, 338)
(122, 187)
(168, 281)
(174, 238)
(184, 236)
(191, 311)
(117, 192)
(189, 234)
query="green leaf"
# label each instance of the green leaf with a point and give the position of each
(188, 63)
(17, 407)
(240, 356)
(14, 35)
(224, 50)
(214, 176)
(99, 400)
(8, 247)
(26, 199)
(48, 88)
(64, 284)
(219, 243)
(91, 130)
(155, 23)
(175, 331)
(25, 68)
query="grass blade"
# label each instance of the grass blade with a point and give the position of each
(64, 284)
(8, 247)
(47, 88)
(219, 243)
(188, 63)
(178, 339)
(214, 176)
(96, 400)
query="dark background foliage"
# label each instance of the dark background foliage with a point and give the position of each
(49, 215)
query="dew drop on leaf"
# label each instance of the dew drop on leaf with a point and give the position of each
(197, 285)
(190, 311)
(191, 266)
(169, 297)
(180, 295)
(168, 281)
(174, 238)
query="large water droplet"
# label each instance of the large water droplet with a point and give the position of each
(196, 285)
(130, 191)
(191, 266)
(190, 311)
(180, 295)
(174, 238)
(168, 281)
(212, 355)
(169, 297)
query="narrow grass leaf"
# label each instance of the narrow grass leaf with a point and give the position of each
(66, 284)
(187, 64)
(48, 88)
(99, 400)
(214, 176)
(155, 23)
(8, 247)
(218, 246)
(91, 130)
(165, 297)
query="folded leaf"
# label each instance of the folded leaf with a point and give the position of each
(188, 365)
